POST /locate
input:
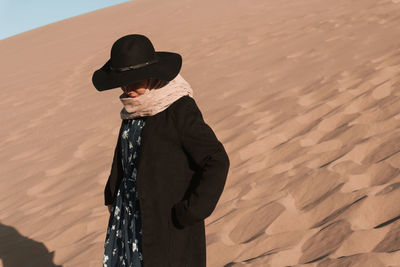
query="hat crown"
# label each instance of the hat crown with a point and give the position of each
(131, 50)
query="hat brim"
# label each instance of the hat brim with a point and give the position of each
(167, 68)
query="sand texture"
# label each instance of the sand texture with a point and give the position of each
(305, 96)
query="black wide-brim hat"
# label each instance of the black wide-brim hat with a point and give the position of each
(134, 59)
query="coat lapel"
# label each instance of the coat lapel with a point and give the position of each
(146, 137)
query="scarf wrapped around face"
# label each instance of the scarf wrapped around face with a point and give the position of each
(155, 99)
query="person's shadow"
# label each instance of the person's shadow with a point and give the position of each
(17, 250)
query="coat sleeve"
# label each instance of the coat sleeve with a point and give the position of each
(202, 145)
(115, 174)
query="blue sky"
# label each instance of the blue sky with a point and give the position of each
(17, 16)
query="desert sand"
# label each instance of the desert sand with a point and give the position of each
(304, 95)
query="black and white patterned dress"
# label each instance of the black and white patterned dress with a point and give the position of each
(123, 239)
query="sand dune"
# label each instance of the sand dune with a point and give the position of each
(305, 96)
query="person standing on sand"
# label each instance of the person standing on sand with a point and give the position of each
(169, 169)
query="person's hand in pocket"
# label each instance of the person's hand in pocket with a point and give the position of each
(175, 222)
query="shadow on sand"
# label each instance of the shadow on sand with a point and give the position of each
(17, 250)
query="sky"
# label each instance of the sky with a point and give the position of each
(17, 16)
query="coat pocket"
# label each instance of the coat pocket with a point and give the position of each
(179, 248)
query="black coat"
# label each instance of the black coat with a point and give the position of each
(181, 173)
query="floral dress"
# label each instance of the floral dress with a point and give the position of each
(123, 239)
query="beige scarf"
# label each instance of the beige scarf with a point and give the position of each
(155, 100)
